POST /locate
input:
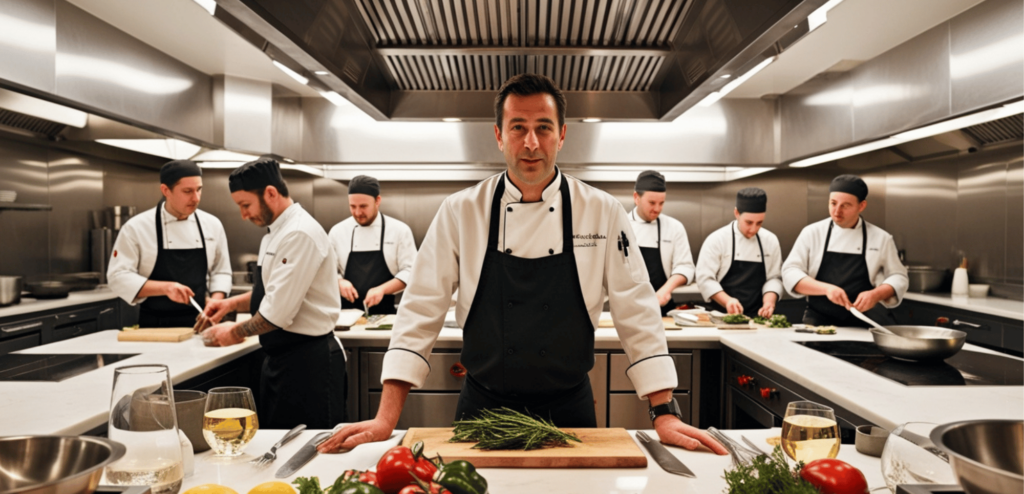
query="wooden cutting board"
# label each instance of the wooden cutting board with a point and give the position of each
(601, 448)
(170, 335)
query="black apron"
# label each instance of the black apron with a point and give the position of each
(655, 271)
(366, 270)
(528, 341)
(744, 281)
(185, 266)
(303, 379)
(849, 272)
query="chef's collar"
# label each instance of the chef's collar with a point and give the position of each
(637, 219)
(285, 217)
(550, 191)
(168, 217)
(855, 227)
(375, 222)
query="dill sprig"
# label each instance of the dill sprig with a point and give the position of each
(768, 475)
(504, 428)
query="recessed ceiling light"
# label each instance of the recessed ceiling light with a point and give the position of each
(451, 119)
(208, 5)
(726, 76)
(321, 72)
(333, 97)
(291, 73)
(591, 120)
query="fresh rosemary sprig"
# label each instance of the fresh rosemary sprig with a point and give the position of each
(504, 428)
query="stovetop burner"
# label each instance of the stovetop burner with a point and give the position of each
(965, 368)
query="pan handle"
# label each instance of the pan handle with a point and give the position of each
(957, 322)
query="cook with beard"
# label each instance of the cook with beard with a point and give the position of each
(532, 253)
(739, 266)
(168, 254)
(844, 261)
(662, 238)
(294, 306)
(375, 252)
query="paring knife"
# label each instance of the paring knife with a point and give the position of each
(306, 453)
(196, 305)
(665, 459)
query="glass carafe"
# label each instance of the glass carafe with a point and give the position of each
(142, 417)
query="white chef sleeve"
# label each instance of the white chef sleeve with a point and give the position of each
(435, 275)
(297, 261)
(220, 271)
(682, 259)
(634, 308)
(894, 271)
(709, 262)
(335, 236)
(797, 264)
(405, 249)
(773, 266)
(123, 272)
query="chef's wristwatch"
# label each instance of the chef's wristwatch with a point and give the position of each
(670, 408)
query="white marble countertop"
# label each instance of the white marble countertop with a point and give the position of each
(29, 305)
(78, 404)
(237, 474)
(1002, 307)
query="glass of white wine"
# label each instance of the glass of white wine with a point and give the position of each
(230, 420)
(142, 417)
(810, 432)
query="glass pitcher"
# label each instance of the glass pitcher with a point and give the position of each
(142, 417)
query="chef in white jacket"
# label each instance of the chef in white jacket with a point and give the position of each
(375, 252)
(739, 269)
(844, 261)
(532, 253)
(170, 253)
(662, 239)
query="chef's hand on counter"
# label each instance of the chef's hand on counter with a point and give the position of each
(673, 431)
(734, 306)
(374, 296)
(379, 429)
(177, 292)
(221, 335)
(768, 305)
(348, 292)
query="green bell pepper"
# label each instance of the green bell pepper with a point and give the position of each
(461, 477)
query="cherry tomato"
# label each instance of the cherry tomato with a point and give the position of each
(832, 476)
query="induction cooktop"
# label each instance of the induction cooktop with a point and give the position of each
(53, 367)
(966, 368)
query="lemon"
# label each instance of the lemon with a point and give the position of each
(210, 489)
(275, 487)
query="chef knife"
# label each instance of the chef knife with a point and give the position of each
(196, 305)
(306, 453)
(665, 459)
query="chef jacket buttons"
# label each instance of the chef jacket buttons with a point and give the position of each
(511, 351)
(510, 305)
(545, 306)
(551, 251)
(542, 353)
(508, 251)
(509, 209)
(552, 209)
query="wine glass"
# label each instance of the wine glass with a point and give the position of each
(142, 417)
(904, 462)
(230, 420)
(810, 432)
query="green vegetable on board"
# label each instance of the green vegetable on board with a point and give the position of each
(779, 321)
(735, 319)
(768, 475)
(503, 428)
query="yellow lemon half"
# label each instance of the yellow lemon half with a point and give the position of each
(275, 487)
(210, 489)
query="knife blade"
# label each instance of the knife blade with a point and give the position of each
(196, 305)
(306, 453)
(665, 459)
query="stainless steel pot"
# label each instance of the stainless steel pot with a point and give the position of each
(987, 456)
(926, 278)
(10, 290)
(919, 342)
(54, 464)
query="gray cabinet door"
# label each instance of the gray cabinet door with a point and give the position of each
(422, 409)
(629, 411)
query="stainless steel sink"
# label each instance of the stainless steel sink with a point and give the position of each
(53, 367)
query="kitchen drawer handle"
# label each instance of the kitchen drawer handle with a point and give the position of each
(957, 322)
(457, 370)
(108, 309)
(22, 327)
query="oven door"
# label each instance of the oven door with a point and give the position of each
(741, 412)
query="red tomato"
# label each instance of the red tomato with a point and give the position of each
(394, 467)
(835, 477)
(435, 488)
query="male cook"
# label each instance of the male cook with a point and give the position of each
(375, 252)
(532, 252)
(664, 245)
(843, 261)
(171, 253)
(739, 266)
(294, 306)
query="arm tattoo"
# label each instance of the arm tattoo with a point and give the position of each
(255, 326)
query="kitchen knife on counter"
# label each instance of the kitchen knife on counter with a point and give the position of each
(306, 453)
(665, 459)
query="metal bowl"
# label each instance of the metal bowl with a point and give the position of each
(919, 342)
(987, 456)
(10, 290)
(925, 278)
(54, 464)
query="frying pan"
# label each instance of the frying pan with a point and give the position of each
(48, 289)
(918, 343)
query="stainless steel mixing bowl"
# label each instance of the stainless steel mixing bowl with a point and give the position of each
(10, 290)
(54, 464)
(987, 456)
(919, 342)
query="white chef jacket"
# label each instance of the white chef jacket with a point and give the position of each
(883, 262)
(298, 271)
(134, 254)
(675, 246)
(716, 256)
(399, 246)
(452, 255)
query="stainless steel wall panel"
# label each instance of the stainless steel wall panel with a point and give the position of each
(330, 202)
(28, 43)
(903, 88)
(1014, 273)
(986, 59)
(125, 185)
(243, 114)
(816, 116)
(981, 219)
(76, 190)
(286, 127)
(24, 249)
(101, 67)
(921, 201)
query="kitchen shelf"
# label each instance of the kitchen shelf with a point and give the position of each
(13, 206)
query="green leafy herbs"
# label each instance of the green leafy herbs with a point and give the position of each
(767, 475)
(735, 319)
(503, 428)
(779, 321)
(760, 320)
(308, 485)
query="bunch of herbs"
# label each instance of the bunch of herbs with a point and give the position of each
(768, 475)
(504, 428)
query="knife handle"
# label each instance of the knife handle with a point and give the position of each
(292, 434)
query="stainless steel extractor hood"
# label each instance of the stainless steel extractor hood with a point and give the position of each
(633, 60)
